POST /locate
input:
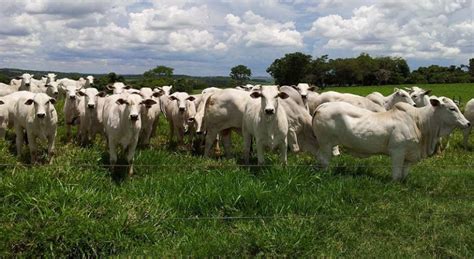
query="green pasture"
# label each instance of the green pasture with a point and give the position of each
(180, 204)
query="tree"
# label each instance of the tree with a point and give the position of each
(240, 74)
(158, 76)
(159, 72)
(291, 69)
(382, 76)
(471, 68)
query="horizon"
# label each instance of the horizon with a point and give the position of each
(207, 38)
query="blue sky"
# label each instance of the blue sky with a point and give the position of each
(210, 37)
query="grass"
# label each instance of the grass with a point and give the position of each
(178, 203)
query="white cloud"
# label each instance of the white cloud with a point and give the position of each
(413, 29)
(256, 31)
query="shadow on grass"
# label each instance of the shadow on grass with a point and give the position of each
(120, 172)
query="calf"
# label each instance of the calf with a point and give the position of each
(419, 96)
(150, 114)
(405, 133)
(89, 106)
(122, 123)
(180, 111)
(71, 107)
(265, 120)
(35, 114)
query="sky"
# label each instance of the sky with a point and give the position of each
(204, 38)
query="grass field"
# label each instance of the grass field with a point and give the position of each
(178, 203)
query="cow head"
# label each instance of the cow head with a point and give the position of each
(303, 89)
(448, 113)
(269, 95)
(43, 104)
(91, 96)
(118, 87)
(401, 95)
(148, 94)
(50, 77)
(182, 100)
(71, 89)
(419, 96)
(25, 79)
(133, 103)
(165, 89)
(52, 88)
(90, 80)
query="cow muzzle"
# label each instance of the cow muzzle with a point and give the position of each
(91, 106)
(270, 111)
(72, 97)
(41, 115)
(134, 117)
(182, 109)
(304, 96)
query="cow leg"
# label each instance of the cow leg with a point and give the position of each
(466, 133)
(284, 151)
(130, 155)
(398, 159)
(180, 132)
(68, 132)
(51, 141)
(210, 138)
(19, 139)
(260, 152)
(226, 142)
(112, 154)
(324, 155)
(293, 141)
(406, 170)
(33, 147)
(247, 145)
(171, 135)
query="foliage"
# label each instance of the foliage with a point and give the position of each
(291, 69)
(110, 78)
(240, 74)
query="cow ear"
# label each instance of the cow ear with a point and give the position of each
(2, 102)
(128, 87)
(191, 98)
(158, 93)
(148, 102)
(121, 101)
(29, 102)
(173, 98)
(101, 94)
(110, 87)
(427, 92)
(283, 95)
(18, 78)
(312, 88)
(435, 102)
(80, 93)
(396, 89)
(52, 101)
(294, 86)
(255, 94)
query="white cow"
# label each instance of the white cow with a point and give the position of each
(3, 119)
(150, 114)
(419, 96)
(22, 83)
(180, 112)
(7, 89)
(398, 95)
(71, 107)
(122, 123)
(90, 106)
(469, 114)
(359, 101)
(247, 87)
(294, 94)
(35, 114)
(266, 121)
(210, 90)
(222, 111)
(118, 87)
(405, 133)
(304, 89)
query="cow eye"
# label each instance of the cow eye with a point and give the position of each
(452, 109)
(414, 96)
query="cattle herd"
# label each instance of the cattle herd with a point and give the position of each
(407, 125)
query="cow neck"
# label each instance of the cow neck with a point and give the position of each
(429, 129)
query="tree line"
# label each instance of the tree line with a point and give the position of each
(362, 70)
